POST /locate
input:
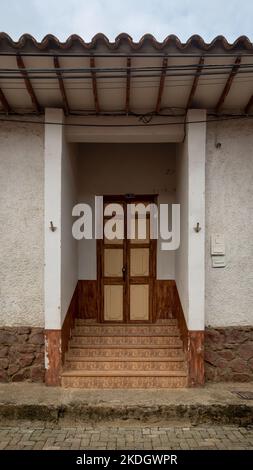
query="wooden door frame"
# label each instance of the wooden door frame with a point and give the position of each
(152, 198)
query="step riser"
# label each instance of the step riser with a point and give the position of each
(127, 330)
(126, 365)
(125, 353)
(126, 340)
(92, 322)
(124, 382)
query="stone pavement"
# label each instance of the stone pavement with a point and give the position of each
(122, 436)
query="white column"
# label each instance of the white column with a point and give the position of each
(196, 137)
(190, 257)
(52, 198)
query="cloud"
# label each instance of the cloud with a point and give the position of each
(136, 17)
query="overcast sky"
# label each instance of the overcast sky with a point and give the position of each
(231, 18)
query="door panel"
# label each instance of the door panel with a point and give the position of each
(113, 262)
(113, 303)
(139, 262)
(139, 302)
(135, 225)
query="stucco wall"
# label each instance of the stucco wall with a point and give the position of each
(229, 210)
(21, 222)
(190, 267)
(69, 261)
(125, 168)
(181, 257)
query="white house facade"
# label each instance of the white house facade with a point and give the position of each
(147, 122)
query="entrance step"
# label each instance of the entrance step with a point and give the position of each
(128, 340)
(141, 364)
(126, 351)
(124, 379)
(120, 355)
(137, 330)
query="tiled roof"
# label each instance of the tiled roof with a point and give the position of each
(242, 43)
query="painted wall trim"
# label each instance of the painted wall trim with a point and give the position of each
(52, 201)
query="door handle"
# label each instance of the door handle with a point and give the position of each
(124, 271)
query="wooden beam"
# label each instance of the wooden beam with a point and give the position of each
(161, 86)
(128, 83)
(249, 105)
(4, 102)
(228, 85)
(61, 85)
(195, 83)
(28, 84)
(94, 85)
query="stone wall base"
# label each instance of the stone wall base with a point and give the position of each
(22, 354)
(229, 354)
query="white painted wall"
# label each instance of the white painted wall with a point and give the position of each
(119, 169)
(229, 210)
(69, 252)
(60, 195)
(190, 257)
(21, 224)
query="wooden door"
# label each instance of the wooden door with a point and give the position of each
(126, 271)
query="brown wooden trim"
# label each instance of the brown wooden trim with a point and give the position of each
(68, 323)
(228, 84)
(179, 314)
(4, 102)
(164, 293)
(88, 297)
(249, 105)
(28, 84)
(161, 85)
(94, 84)
(195, 83)
(128, 84)
(193, 343)
(53, 357)
(139, 245)
(196, 368)
(61, 86)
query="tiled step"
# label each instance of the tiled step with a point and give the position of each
(126, 340)
(115, 330)
(121, 365)
(118, 355)
(92, 323)
(121, 351)
(124, 379)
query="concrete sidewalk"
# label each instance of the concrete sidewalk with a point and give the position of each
(214, 403)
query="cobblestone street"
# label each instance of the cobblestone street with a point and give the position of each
(32, 436)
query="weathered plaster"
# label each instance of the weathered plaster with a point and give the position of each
(229, 210)
(21, 222)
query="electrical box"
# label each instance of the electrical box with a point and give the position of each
(217, 244)
(218, 261)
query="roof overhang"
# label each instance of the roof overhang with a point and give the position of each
(125, 78)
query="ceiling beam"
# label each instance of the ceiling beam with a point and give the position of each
(228, 84)
(249, 105)
(4, 102)
(161, 86)
(128, 84)
(61, 86)
(195, 83)
(94, 84)
(28, 84)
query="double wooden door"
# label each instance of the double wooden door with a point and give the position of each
(127, 269)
